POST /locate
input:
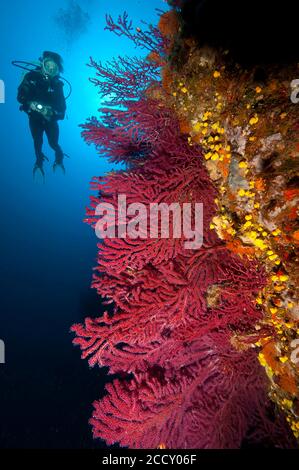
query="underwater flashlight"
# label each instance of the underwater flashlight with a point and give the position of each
(39, 107)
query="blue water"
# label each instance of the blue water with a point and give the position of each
(47, 252)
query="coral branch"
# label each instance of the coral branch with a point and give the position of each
(150, 39)
(184, 321)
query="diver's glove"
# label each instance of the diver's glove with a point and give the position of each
(47, 112)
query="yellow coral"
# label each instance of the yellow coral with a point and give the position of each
(254, 120)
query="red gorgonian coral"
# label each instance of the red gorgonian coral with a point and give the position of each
(183, 321)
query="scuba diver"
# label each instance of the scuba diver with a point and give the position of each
(41, 97)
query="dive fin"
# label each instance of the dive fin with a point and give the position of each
(38, 167)
(59, 161)
(58, 165)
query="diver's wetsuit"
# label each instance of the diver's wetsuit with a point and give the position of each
(35, 87)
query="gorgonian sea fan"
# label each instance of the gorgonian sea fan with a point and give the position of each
(183, 321)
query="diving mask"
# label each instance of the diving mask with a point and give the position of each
(50, 68)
